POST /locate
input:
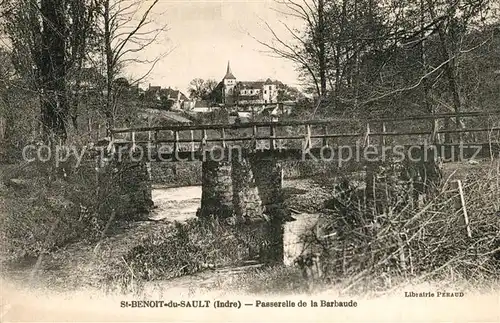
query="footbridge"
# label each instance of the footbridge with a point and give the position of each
(310, 138)
(241, 162)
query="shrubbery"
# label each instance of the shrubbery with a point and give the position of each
(411, 240)
(184, 249)
(41, 213)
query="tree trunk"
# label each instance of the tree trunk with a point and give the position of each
(109, 68)
(53, 71)
(429, 108)
(321, 39)
(450, 66)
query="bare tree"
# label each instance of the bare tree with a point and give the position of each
(48, 38)
(451, 33)
(201, 89)
(329, 49)
(309, 56)
(352, 45)
(124, 36)
(83, 41)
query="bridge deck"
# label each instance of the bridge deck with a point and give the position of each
(292, 139)
(338, 155)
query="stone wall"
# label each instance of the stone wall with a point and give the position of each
(269, 178)
(238, 190)
(217, 190)
(242, 187)
(176, 174)
(247, 201)
(125, 187)
(135, 188)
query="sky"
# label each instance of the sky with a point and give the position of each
(204, 35)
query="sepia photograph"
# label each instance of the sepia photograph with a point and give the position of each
(250, 160)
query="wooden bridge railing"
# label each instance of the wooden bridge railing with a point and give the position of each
(189, 136)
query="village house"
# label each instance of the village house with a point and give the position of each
(166, 98)
(231, 92)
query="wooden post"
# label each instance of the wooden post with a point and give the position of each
(382, 137)
(89, 126)
(272, 142)
(176, 143)
(111, 146)
(254, 133)
(192, 140)
(367, 135)
(402, 257)
(434, 130)
(149, 132)
(133, 140)
(325, 132)
(2, 128)
(464, 208)
(447, 135)
(156, 140)
(307, 144)
(344, 259)
(223, 137)
(498, 179)
(203, 140)
(489, 140)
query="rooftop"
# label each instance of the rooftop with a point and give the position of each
(229, 74)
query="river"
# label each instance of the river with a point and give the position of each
(176, 204)
(181, 204)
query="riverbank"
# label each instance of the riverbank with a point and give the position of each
(83, 265)
(105, 266)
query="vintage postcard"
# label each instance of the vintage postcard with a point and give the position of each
(250, 160)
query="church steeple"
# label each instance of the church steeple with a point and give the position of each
(229, 74)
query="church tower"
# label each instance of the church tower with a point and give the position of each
(229, 85)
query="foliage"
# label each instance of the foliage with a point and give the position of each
(201, 89)
(42, 213)
(183, 249)
(404, 239)
(393, 57)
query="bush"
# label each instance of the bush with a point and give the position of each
(43, 212)
(411, 240)
(184, 249)
(41, 218)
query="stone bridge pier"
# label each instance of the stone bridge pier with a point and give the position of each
(124, 186)
(246, 192)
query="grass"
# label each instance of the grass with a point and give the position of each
(277, 280)
(411, 241)
(409, 245)
(178, 250)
